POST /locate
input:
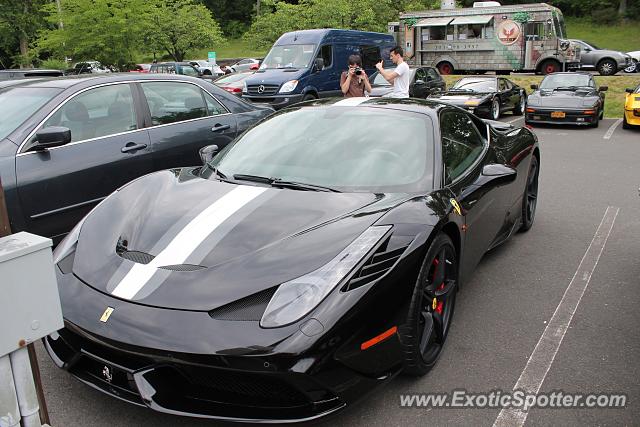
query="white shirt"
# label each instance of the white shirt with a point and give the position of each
(401, 83)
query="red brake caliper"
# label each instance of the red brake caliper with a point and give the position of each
(438, 304)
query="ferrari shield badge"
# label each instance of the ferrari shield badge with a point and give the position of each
(456, 206)
(106, 314)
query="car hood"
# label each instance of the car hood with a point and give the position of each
(458, 98)
(276, 76)
(562, 99)
(214, 242)
(381, 90)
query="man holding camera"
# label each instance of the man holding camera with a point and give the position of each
(354, 82)
(399, 77)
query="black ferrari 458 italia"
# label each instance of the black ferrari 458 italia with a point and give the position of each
(566, 98)
(486, 96)
(312, 259)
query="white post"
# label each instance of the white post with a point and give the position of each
(9, 410)
(25, 388)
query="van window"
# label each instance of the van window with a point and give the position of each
(370, 56)
(325, 54)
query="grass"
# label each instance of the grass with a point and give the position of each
(624, 37)
(233, 48)
(615, 95)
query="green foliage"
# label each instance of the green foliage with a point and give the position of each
(54, 64)
(20, 20)
(606, 16)
(624, 37)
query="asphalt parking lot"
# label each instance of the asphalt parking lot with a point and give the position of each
(588, 187)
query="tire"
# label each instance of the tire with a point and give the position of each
(519, 110)
(494, 113)
(625, 123)
(549, 66)
(607, 67)
(633, 68)
(206, 73)
(445, 68)
(602, 112)
(530, 197)
(309, 97)
(426, 330)
(596, 123)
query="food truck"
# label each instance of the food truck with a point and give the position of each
(488, 37)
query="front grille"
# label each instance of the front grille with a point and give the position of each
(380, 262)
(249, 308)
(137, 256)
(266, 90)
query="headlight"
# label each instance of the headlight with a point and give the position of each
(296, 298)
(533, 101)
(288, 86)
(68, 244)
(244, 87)
(471, 102)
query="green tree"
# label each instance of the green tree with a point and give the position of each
(20, 21)
(179, 26)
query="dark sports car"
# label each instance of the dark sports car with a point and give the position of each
(566, 98)
(312, 259)
(486, 96)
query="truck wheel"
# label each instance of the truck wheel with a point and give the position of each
(445, 68)
(607, 67)
(309, 97)
(550, 66)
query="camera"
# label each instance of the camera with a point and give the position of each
(357, 71)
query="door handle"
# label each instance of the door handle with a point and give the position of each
(218, 127)
(132, 146)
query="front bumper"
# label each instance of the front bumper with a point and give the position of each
(276, 101)
(632, 117)
(574, 117)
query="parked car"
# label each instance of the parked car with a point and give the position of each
(635, 62)
(141, 68)
(566, 98)
(423, 82)
(245, 65)
(207, 68)
(66, 143)
(181, 68)
(631, 113)
(233, 83)
(307, 64)
(27, 73)
(88, 67)
(312, 261)
(486, 96)
(604, 61)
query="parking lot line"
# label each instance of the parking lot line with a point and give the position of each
(612, 129)
(547, 347)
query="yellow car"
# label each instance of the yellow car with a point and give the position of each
(631, 116)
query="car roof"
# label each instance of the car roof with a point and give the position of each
(96, 79)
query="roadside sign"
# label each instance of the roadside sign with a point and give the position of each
(212, 57)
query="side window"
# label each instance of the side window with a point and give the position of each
(189, 71)
(325, 54)
(502, 85)
(213, 106)
(433, 74)
(421, 74)
(461, 143)
(171, 102)
(370, 56)
(97, 112)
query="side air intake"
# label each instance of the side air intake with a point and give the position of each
(249, 308)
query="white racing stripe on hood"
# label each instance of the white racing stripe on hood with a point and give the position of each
(188, 239)
(351, 102)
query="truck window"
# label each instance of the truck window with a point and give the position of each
(536, 31)
(370, 56)
(434, 33)
(325, 54)
(558, 23)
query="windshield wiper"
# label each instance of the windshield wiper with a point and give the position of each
(565, 88)
(277, 182)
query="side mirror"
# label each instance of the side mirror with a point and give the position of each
(52, 136)
(629, 90)
(318, 64)
(603, 88)
(419, 82)
(496, 174)
(207, 153)
(534, 87)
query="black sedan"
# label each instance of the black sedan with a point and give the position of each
(423, 81)
(566, 98)
(67, 143)
(486, 96)
(314, 258)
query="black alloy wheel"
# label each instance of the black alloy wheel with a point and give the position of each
(530, 198)
(431, 307)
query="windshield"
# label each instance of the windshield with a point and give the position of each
(475, 85)
(555, 81)
(592, 46)
(378, 79)
(18, 104)
(289, 56)
(353, 149)
(558, 23)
